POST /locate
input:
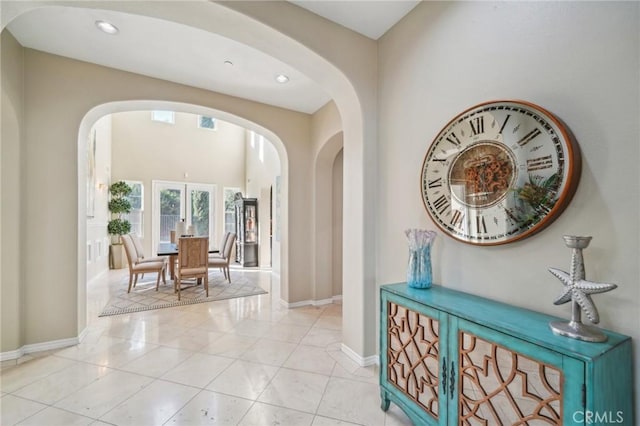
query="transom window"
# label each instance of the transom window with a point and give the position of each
(205, 122)
(163, 116)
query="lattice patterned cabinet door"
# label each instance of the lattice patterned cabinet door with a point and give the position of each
(413, 356)
(502, 383)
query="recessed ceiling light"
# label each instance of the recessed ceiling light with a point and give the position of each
(228, 63)
(281, 78)
(107, 27)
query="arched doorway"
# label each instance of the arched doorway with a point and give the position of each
(325, 246)
(130, 106)
(55, 114)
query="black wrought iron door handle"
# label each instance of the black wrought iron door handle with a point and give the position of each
(452, 380)
(444, 375)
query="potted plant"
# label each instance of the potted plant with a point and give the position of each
(118, 205)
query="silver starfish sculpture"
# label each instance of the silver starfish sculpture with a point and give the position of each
(578, 290)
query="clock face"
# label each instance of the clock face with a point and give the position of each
(499, 172)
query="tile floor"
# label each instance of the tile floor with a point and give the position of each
(246, 361)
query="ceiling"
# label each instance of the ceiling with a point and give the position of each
(195, 57)
(369, 18)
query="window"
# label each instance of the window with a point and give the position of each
(205, 122)
(163, 116)
(190, 202)
(230, 209)
(136, 198)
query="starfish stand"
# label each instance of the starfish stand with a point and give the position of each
(578, 290)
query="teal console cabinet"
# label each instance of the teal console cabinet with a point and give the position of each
(451, 358)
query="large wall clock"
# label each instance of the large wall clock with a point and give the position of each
(499, 172)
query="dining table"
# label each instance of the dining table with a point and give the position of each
(171, 250)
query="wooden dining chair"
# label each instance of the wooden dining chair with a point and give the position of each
(192, 262)
(140, 268)
(140, 250)
(223, 262)
(223, 244)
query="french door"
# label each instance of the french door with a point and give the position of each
(176, 201)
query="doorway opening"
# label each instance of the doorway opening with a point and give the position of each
(175, 202)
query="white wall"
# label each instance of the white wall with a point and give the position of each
(97, 237)
(580, 60)
(146, 150)
(262, 167)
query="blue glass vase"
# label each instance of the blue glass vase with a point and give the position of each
(419, 269)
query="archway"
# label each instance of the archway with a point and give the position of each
(124, 106)
(323, 209)
(349, 79)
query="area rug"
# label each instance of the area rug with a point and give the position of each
(144, 296)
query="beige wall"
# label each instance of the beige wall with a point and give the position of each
(328, 141)
(354, 92)
(392, 98)
(295, 36)
(11, 144)
(146, 150)
(60, 93)
(337, 223)
(579, 60)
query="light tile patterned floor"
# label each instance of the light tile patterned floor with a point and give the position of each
(245, 361)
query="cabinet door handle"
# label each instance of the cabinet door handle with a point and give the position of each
(444, 375)
(453, 379)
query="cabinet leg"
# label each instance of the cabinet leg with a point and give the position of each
(384, 401)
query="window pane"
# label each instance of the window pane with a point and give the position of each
(230, 209)
(135, 217)
(206, 122)
(169, 212)
(200, 212)
(229, 221)
(163, 116)
(135, 198)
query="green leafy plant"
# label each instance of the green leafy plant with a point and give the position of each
(118, 227)
(119, 205)
(540, 194)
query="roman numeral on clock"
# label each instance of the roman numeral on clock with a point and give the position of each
(529, 137)
(481, 226)
(539, 163)
(505, 123)
(453, 139)
(436, 183)
(456, 218)
(441, 204)
(477, 125)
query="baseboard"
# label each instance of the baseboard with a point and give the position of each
(306, 303)
(39, 347)
(9, 355)
(361, 361)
